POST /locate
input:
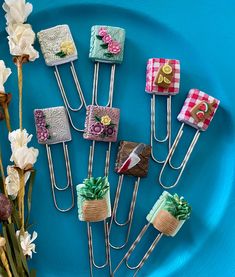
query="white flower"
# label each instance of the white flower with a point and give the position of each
(13, 181)
(19, 138)
(4, 74)
(21, 38)
(24, 157)
(17, 11)
(26, 243)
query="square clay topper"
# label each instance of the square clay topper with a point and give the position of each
(198, 110)
(57, 45)
(162, 218)
(52, 125)
(163, 76)
(107, 44)
(101, 123)
(133, 159)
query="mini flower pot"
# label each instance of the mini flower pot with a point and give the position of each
(166, 223)
(95, 210)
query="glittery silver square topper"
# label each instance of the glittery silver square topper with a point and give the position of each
(52, 125)
(57, 45)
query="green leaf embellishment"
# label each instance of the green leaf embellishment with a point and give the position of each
(108, 55)
(97, 118)
(104, 46)
(177, 207)
(61, 54)
(99, 37)
(95, 188)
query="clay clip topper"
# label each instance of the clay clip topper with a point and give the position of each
(162, 78)
(94, 206)
(52, 127)
(58, 48)
(132, 160)
(106, 46)
(167, 216)
(198, 111)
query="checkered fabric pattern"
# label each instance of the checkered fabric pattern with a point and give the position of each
(153, 66)
(195, 96)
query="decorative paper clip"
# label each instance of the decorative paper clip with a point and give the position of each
(162, 78)
(106, 46)
(94, 206)
(52, 127)
(132, 159)
(167, 216)
(58, 48)
(198, 111)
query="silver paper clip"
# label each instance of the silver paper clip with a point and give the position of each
(106, 46)
(132, 159)
(58, 48)
(52, 127)
(198, 111)
(162, 78)
(94, 206)
(164, 221)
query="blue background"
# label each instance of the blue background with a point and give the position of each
(199, 33)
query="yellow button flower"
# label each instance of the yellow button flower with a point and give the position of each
(105, 120)
(67, 47)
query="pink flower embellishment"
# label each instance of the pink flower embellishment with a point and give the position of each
(114, 47)
(107, 38)
(102, 31)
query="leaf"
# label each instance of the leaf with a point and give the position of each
(108, 55)
(97, 118)
(15, 216)
(17, 248)
(29, 196)
(104, 46)
(61, 54)
(9, 253)
(99, 37)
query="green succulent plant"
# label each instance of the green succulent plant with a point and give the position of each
(95, 188)
(178, 207)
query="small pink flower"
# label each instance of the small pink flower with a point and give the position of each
(114, 47)
(102, 31)
(107, 39)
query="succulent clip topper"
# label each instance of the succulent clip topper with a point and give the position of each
(198, 111)
(167, 216)
(162, 78)
(58, 47)
(52, 127)
(94, 206)
(132, 160)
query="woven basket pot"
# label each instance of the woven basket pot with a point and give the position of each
(166, 223)
(95, 210)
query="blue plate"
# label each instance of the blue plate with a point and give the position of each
(196, 35)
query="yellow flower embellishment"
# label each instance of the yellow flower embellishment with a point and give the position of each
(66, 48)
(105, 120)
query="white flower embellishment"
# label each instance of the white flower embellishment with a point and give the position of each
(26, 242)
(4, 74)
(13, 181)
(23, 156)
(17, 11)
(21, 36)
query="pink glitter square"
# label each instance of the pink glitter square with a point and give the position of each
(101, 123)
